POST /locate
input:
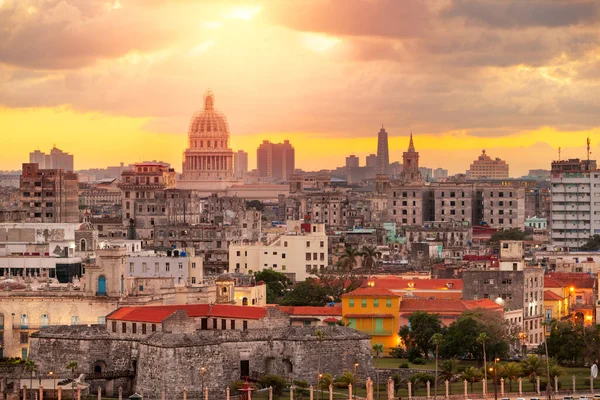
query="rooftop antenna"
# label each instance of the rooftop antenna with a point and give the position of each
(559, 154)
(588, 148)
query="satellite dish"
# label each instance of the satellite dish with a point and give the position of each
(594, 371)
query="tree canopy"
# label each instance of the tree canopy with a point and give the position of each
(311, 292)
(276, 282)
(509, 234)
(593, 244)
(422, 326)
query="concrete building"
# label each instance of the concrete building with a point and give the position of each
(240, 164)
(49, 195)
(454, 202)
(57, 159)
(275, 161)
(503, 207)
(371, 161)
(440, 173)
(486, 167)
(184, 267)
(575, 194)
(513, 285)
(451, 234)
(297, 253)
(408, 204)
(383, 153)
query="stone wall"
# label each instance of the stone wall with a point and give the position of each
(174, 360)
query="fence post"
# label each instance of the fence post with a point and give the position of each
(447, 389)
(206, 393)
(409, 389)
(41, 392)
(227, 393)
(120, 393)
(99, 393)
(310, 392)
(520, 386)
(502, 386)
(574, 384)
(292, 392)
(59, 393)
(428, 390)
(78, 393)
(24, 392)
(466, 388)
(537, 385)
(556, 384)
(270, 393)
(184, 393)
(349, 391)
(330, 391)
(369, 385)
(390, 389)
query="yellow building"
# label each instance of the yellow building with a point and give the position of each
(555, 306)
(373, 311)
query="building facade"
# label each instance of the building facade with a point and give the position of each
(275, 161)
(240, 164)
(49, 195)
(486, 167)
(57, 159)
(383, 153)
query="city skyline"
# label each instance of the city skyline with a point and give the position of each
(519, 89)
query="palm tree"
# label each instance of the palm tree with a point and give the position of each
(448, 371)
(72, 365)
(436, 339)
(512, 371)
(370, 257)
(472, 375)
(348, 259)
(378, 349)
(31, 367)
(326, 380)
(346, 378)
(532, 367)
(483, 337)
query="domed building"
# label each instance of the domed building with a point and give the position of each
(208, 156)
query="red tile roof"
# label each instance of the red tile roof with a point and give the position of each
(395, 283)
(578, 280)
(551, 282)
(330, 319)
(368, 316)
(549, 295)
(408, 305)
(156, 314)
(371, 292)
(327, 310)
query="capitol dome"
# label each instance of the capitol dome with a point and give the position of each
(208, 123)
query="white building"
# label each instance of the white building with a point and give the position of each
(296, 253)
(575, 208)
(184, 267)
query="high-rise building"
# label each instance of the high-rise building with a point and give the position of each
(575, 186)
(49, 195)
(275, 160)
(371, 161)
(240, 164)
(57, 159)
(485, 167)
(383, 154)
(208, 156)
(410, 164)
(352, 161)
(440, 173)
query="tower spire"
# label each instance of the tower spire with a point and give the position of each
(411, 145)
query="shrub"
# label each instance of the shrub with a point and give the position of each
(419, 361)
(397, 352)
(413, 353)
(404, 365)
(277, 382)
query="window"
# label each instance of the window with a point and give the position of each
(193, 265)
(134, 328)
(124, 327)
(375, 302)
(131, 267)
(153, 327)
(114, 326)
(322, 244)
(224, 324)
(144, 267)
(233, 324)
(101, 320)
(307, 244)
(193, 280)
(351, 303)
(388, 303)
(214, 323)
(167, 267)
(180, 265)
(363, 303)
(75, 320)
(44, 321)
(245, 325)
(24, 337)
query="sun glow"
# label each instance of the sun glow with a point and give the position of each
(245, 13)
(320, 43)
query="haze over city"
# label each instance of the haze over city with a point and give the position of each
(519, 79)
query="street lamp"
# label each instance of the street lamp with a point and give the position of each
(53, 375)
(355, 365)
(495, 378)
(203, 370)
(319, 385)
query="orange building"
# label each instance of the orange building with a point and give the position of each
(447, 310)
(449, 289)
(577, 291)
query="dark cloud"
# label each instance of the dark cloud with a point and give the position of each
(525, 13)
(69, 35)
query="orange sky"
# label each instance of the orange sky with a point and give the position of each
(113, 81)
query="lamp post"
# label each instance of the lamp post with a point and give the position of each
(355, 365)
(319, 386)
(495, 378)
(53, 375)
(203, 370)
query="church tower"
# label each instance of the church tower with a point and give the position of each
(410, 163)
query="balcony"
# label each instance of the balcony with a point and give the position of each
(377, 332)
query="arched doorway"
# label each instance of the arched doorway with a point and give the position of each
(101, 285)
(82, 245)
(99, 367)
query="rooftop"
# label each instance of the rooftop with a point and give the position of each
(156, 314)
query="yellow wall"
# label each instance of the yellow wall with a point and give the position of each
(387, 335)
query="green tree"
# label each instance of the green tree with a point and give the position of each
(437, 339)
(378, 349)
(422, 326)
(73, 365)
(31, 367)
(338, 281)
(593, 244)
(509, 234)
(370, 258)
(482, 338)
(307, 293)
(532, 367)
(511, 372)
(277, 284)
(449, 370)
(566, 343)
(326, 380)
(348, 260)
(472, 375)
(256, 204)
(278, 383)
(345, 379)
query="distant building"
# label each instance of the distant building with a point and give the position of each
(371, 161)
(410, 164)
(57, 159)
(440, 173)
(352, 161)
(240, 164)
(49, 195)
(540, 174)
(383, 155)
(485, 167)
(276, 161)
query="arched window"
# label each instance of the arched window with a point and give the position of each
(101, 285)
(224, 290)
(245, 301)
(99, 367)
(201, 143)
(82, 245)
(24, 321)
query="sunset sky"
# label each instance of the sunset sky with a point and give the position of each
(118, 80)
